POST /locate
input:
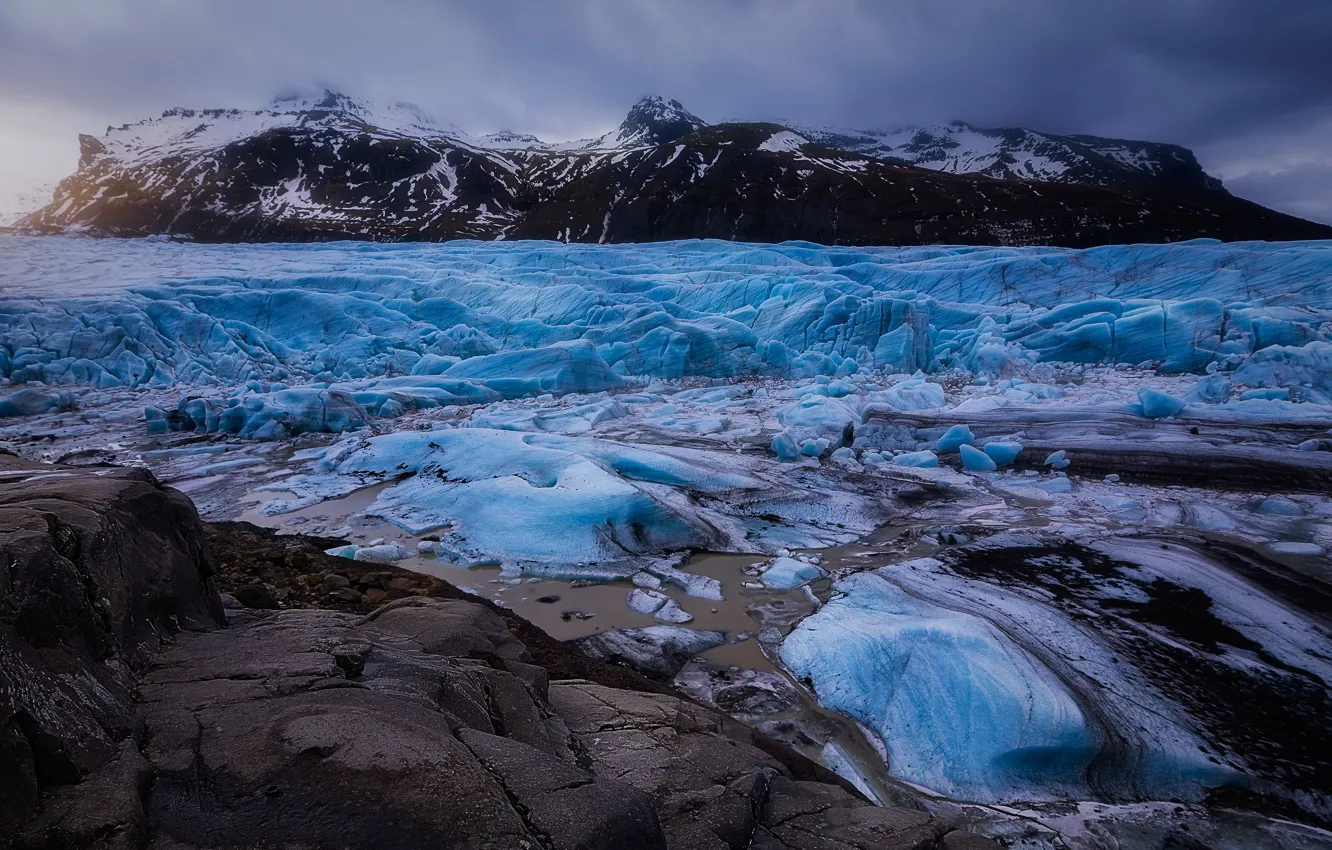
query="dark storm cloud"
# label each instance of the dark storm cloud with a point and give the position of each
(1231, 78)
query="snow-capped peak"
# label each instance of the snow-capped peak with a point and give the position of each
(181, 130)
(782, 141)
(328, 100)
(654, 120)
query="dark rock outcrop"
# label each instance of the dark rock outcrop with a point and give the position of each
(426, 724)
(100, 572)
(131, 719)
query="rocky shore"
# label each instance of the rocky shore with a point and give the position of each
(170, 684)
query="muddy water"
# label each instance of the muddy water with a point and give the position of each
(551, 603)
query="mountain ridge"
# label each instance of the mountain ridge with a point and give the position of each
(332, 167)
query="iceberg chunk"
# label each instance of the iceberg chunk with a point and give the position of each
(646, 601)
(960, 708)
(1158, 405)
(1056, 485)
(529, 498)
(789, 573)
(975, 460)
(923, 459)
(785, 447)
(697, 586)
(659, 605)
(1002, 453)
(1280, 507)
(384, 553)
(1058, 460)
(958, 435)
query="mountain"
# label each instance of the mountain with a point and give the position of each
(1018, 154)
(331, 167)
(656, 121)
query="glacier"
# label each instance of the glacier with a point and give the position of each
(945, 475)
(430, 324)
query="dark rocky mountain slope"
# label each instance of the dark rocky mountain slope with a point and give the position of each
(333, 168)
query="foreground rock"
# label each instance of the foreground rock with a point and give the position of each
(132, 720)
(425, 723)
(101, 571)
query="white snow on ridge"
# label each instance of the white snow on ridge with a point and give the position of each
(960, 148)
(183, 131)
(783, 142)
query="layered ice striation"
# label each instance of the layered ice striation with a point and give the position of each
(963, 710)
(988, 678)
(398, 327)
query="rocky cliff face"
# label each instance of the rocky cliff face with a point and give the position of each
(334, 168)
(129, 718)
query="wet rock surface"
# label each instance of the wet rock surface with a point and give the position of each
(101, 572)
(427, 721)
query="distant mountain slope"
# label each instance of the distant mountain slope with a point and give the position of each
(335, 168)
(1019, 154)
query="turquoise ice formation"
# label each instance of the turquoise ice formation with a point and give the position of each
(398, 327)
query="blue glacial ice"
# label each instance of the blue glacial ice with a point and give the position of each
(400, 327)
(574, 419)
(922, 459)
(1157, 405)
(785, 447)
(954, 438)
(962, 710)
(789, 573)
(975, 460)
(1001, 452)
(523, 497)
(32, 401)
(986, 687)
(598, 411)
(1058, 460)
(558, 505)
(263, 415)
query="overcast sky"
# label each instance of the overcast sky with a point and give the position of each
(1246, 83)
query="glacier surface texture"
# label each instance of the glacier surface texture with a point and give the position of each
(471, 322)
